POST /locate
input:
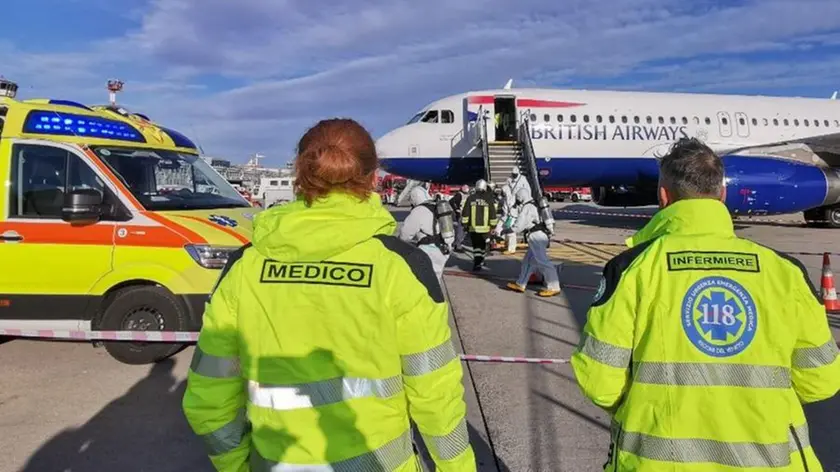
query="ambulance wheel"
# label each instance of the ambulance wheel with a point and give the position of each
(142, 308)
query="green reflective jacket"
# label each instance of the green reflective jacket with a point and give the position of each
(704, 346)
(318, 344)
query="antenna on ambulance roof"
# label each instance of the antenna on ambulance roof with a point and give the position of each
(114, 86)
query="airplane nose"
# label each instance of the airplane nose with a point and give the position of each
(386, 146)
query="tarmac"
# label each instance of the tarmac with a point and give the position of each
(69, 407)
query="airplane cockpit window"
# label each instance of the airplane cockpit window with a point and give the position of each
(447, 116)
(416, 118)
(430, 117)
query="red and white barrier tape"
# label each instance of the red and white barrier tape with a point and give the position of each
(512, 360)
(191, 336)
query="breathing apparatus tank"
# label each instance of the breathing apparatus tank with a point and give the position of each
(546, 215)
(446, 226)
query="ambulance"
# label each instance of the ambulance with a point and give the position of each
(108, 221)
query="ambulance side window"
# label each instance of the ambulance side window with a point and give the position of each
(40, 177)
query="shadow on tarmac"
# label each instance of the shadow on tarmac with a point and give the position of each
(144, 430)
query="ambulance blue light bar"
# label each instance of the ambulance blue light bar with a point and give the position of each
(70, 124)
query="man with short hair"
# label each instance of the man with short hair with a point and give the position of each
(702, 345)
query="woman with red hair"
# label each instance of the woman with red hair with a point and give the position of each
(327, 335)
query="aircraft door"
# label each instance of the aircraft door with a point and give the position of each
(725, 124)
(742, 124)
(505, 118)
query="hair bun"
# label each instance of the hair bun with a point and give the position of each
(335, 165)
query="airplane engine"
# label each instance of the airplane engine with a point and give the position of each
(624, 196)
(766, 186)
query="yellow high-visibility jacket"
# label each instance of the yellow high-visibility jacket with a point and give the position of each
(704, 346)
(319, 343)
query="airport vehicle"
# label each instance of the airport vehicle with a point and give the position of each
(109, 222)
(560, 194)
(782, 155)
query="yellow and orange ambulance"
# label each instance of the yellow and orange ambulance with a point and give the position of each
(109, 221)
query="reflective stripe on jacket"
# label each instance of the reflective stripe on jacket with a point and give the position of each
(320, 342)
(703, 346)
(480, 213)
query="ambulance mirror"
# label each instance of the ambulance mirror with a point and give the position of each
(82, 205)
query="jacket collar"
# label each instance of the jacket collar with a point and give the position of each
(687, 217)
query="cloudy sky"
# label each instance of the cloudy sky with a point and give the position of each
(248, 76)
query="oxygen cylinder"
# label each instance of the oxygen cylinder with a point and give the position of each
(546, 215)
(446, 226)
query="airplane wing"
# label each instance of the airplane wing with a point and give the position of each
(810, 149)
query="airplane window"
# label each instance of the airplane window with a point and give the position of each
(786, 122)
(696, 120)
(673, 120)
(546, 118)
(684, 120)
(533, 117)
(416, 118)
(612, 119)
(661, 120)
(724, 121)
(624, 119)
(755, 122)
(599, 119)
(826, 123)
(560, 118)
(817, 123)
(805, 122)
(796, 122)
(574, 118)
(708, 120)
(649, 119)
(447, 116)
(775, 122)
(766, 122)
(741, 121)
(586, 118)
(836, 122)
(431, 117)
(636, 119)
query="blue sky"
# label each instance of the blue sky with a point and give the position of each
(250, 76)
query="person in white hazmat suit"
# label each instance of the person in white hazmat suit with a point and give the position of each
(518, 181)
(505, 226)
(536, 259)
(420, 228)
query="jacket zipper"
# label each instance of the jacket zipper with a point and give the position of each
(799, 446)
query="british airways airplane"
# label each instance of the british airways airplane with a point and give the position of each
(782, 155)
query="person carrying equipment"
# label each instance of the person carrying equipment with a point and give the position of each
(326, 338)
(429, 227)
(510, 210)
(703, 346)
(479, 218)
(457, 202)
(538, 234)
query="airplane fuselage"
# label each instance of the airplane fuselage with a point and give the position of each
(603, 139)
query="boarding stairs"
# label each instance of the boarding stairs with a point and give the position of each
(502, 157)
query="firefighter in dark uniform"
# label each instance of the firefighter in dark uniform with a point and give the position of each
(701, 345)
(479, 218)
(457, 201)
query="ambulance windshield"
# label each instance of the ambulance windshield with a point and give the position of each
(169, 180)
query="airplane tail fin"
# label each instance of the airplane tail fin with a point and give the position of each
(834, 95)
(509, 84)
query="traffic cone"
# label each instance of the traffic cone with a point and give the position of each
(829, 292)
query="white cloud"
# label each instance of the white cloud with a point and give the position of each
(286, 63)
